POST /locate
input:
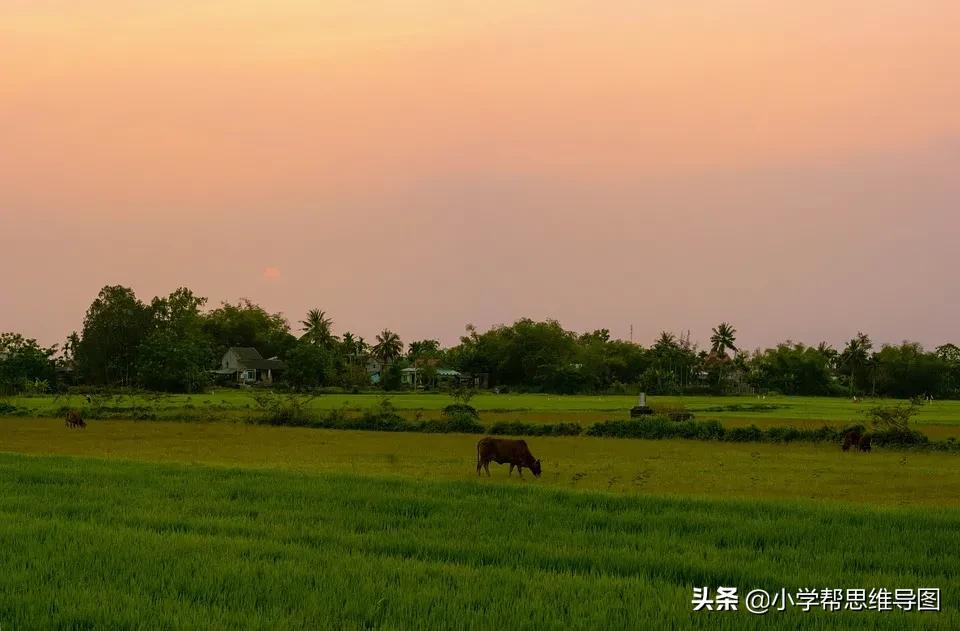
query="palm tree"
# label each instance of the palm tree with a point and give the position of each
(388, 347)
(856, 355)
(829, 353)
(317, 328)
(666, 340)
(724, 337)
(349, 343)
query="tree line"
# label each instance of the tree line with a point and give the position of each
(173, 342)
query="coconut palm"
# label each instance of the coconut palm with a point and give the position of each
(349, 343)
(855, 356)
(829, 353)
(666, 340)
(317, 328)
(388, 347)
(724, 337)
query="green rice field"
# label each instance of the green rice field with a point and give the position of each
(93, 543)
(220, 524)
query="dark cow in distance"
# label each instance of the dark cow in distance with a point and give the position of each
(856, 440)
(74, 420)
(851, 439)
(506, 451)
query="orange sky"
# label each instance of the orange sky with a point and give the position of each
(423, 164)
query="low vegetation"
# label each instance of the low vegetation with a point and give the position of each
(109, 545)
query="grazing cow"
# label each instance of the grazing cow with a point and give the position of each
(851, 439)
(503, 451)
(866, 442)
(74, 420)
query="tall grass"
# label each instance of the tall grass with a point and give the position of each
(89, 543)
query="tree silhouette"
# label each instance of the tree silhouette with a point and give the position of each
(388, 347)
(317, 328)
(724, 337)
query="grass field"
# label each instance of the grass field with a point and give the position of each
(223, 524)
(108, 544)
(674, 467)
(939, 419)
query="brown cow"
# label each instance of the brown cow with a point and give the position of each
(503, 451)
(866, 442)
(74, 420)
(851, 439)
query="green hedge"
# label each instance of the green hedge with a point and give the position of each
(518, 428)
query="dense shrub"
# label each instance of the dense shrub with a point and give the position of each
(891, 425)
(676, 413)
(460, 424)
(657, 427)
(793, 434)
(518, 428)
(8, 409)
(460, 410)
(899, 438)
(744, 434)
(289, 410)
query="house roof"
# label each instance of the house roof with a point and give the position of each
(249, 357)
(442, 372)
(246, 353)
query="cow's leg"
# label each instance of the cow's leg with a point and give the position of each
(486, 466)
(520, 469)
(510, 472)
(479, 464)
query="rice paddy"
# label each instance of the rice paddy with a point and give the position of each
(165, 524)
(107, 544)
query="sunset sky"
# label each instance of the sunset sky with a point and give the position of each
(793, 168)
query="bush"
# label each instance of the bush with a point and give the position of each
(676, 413)
(891, 425)
(898, 438)
(518, 428)
(383, 418)
(459, 425)
(8, 409)
(657, 427)
(461, 410)
(745, 434)
(274, 409)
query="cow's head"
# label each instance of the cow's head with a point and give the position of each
(536, 468)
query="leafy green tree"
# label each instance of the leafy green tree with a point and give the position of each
(423, 349)
(949, 354)
(793, 369)
(906, 371)
(309, 365)
(115, 325)
(23, 363)
(177, 354)
(673, 367)
(247, 324)
(392, 377)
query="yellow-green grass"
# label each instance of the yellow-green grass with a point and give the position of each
(663, 467)
(88, 543)
(938, 419)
